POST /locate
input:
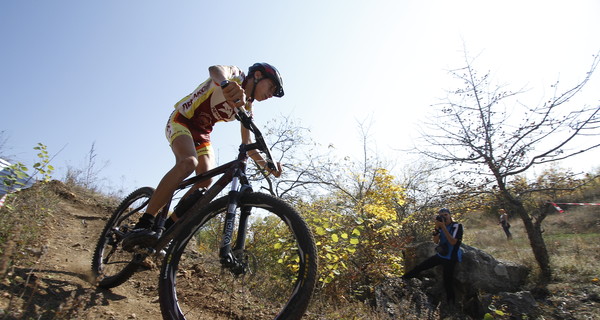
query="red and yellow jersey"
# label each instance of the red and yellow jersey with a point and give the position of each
(206, 105)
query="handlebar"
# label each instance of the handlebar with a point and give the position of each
(246, 120)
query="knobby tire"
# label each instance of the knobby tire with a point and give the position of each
(112, 265)
(281, 270)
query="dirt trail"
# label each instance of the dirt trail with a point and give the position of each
(60, 285)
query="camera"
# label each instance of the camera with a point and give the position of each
(441, 218)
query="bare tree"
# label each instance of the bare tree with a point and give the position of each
(349, 175)
(311, 169)
(293, 146)
(491, 137)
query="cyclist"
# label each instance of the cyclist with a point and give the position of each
(188, 131)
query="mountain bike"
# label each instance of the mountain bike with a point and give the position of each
(247, 252)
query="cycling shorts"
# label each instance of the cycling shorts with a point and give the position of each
(176, 128)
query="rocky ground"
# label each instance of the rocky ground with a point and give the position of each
(56, 282)
(59, 285)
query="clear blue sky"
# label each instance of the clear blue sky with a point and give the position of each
(77, 72)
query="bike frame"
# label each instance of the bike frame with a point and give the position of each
(233, 172)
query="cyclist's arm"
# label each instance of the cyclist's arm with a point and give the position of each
(234, 94)
(218, 73)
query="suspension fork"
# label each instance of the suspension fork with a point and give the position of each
(226, 253)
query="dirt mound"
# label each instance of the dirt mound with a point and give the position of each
(58, 283)
(55, 280)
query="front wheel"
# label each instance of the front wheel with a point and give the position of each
(278, 273)
(111, 264)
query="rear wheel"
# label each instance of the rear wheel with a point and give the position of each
(111, 264)
(277, 274)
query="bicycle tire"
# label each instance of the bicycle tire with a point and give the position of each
(112, 265)
(279, 241)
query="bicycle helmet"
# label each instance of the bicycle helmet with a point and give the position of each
(270, 72)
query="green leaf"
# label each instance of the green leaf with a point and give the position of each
(20, 174)
(320, 231)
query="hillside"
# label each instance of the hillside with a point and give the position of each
(52, 280)
(58, 285)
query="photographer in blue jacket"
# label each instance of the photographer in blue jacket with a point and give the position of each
(448, 237)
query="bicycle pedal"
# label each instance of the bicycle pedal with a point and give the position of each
(141, 239)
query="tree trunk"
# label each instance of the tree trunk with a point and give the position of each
(538, 246)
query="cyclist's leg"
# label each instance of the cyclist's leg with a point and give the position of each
(185, 163)
(205, 163)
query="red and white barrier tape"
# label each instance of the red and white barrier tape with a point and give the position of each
(559, 209)
(581, 204)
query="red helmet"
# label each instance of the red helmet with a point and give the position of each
(270, 72)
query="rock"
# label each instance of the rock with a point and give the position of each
(476, 278)
(478, 271)
(399, 298)
(483, 272)
(518, 305)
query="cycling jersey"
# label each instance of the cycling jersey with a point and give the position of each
(196, 113)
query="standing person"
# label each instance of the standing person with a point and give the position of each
(504, 223)
(188, 131)
(448, 236)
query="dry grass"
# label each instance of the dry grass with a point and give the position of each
(23, 219)
(572, 239)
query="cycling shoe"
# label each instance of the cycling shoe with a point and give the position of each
(139, 237)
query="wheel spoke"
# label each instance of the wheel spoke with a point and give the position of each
(267, 281)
